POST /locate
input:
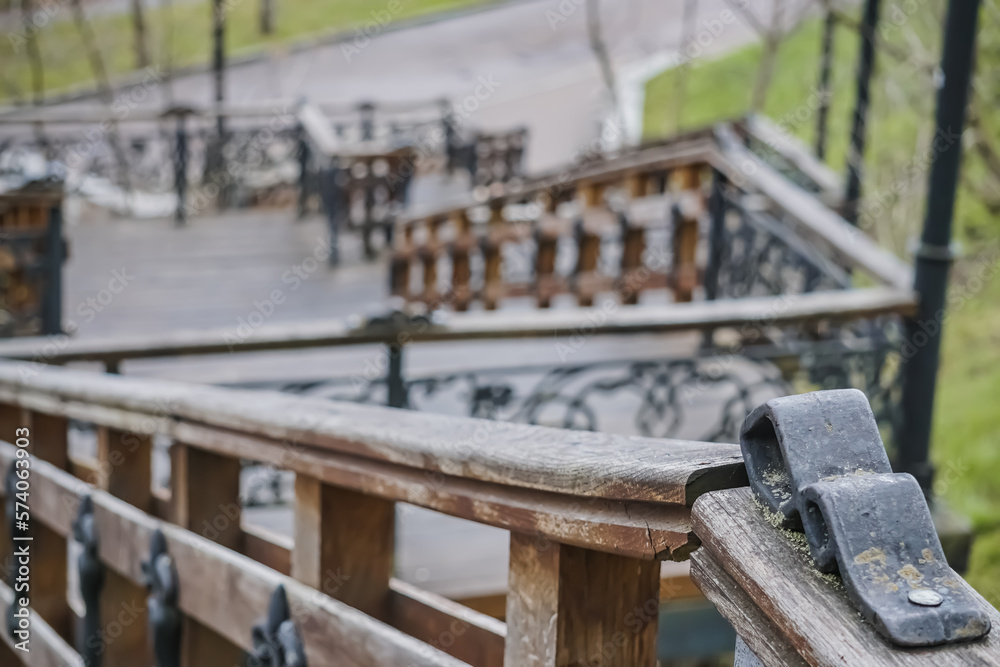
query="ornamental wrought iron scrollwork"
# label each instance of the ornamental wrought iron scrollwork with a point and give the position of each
(164, 616)
(90, 572)
(761, 256)
(661, 397)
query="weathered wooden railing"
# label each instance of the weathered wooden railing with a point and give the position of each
(701, 216)
(601, 509)
(590, 516)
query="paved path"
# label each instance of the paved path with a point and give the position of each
(537, 55)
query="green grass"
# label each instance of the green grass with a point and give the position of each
(966, 446)
(181, 35)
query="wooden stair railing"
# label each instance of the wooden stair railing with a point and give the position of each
(591, 515)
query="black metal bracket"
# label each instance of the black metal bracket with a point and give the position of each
(90, 569)
(164, 615)
(817, 461)
(276, 642)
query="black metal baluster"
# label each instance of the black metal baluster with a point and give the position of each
(164, 616)
(90, 571)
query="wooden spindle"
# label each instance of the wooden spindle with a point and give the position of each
(685, 239)
(589, 247)
(492, 257)
(461, 269)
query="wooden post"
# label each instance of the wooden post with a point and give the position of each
(205, 494)
(569, 606)
(430, 262)
(205, 499)
(125, 471)
(344, 544)
(126, 466)
(588, 248)
(49, 439)
(399, 272)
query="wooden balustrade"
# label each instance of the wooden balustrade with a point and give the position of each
(519, 232)
(589, 514)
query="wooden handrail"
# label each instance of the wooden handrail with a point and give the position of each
(694, 316)
(568, 463)
(768, 588)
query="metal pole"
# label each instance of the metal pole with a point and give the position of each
(56, 252)
(303, 155)
(856, 153)
(717, 211)
(180, 170)
(825, 71)
(367, 111)
(934, 256)
(219, 70)
(394, 378)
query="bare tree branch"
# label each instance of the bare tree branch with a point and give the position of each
(748, 16)
(601, 53)
(104, 89)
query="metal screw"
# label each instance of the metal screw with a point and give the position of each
(925, 597)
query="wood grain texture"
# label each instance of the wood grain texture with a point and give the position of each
(49, 439)
(224, 590)
(48, 649)
(125, 466)
(532, 457)
(344, 544)
(200, 645)
(205, 494)
(813, 616)
(457, 630)
(124, 622)
(640, 530)
(568, 606)
(759, 633)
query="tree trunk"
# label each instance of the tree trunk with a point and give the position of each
(140, 35)
(266, 17)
